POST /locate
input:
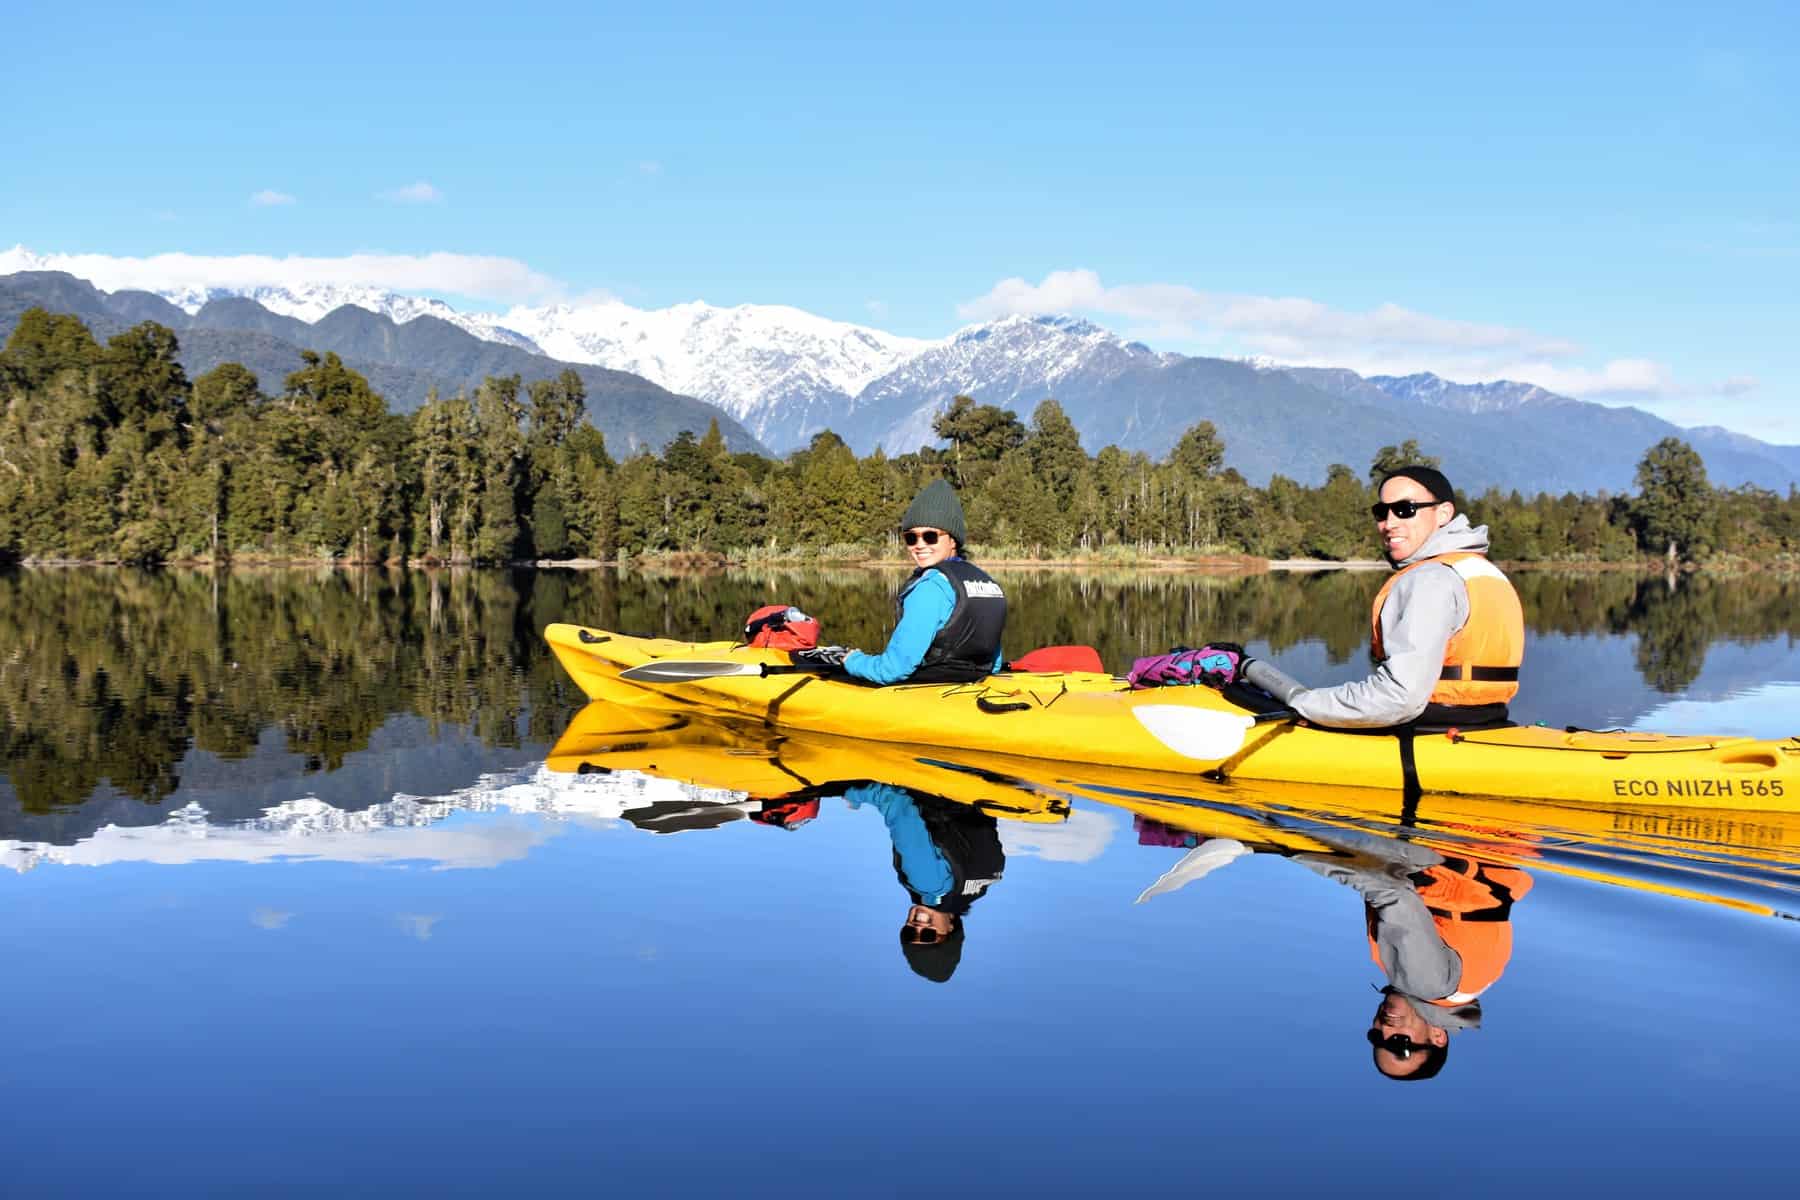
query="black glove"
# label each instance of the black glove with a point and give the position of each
(830, 658)
(1220, 663)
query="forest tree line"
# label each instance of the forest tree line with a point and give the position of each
(111, 453)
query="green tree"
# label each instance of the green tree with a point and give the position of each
(1674, 500)
(1389, 459)
(1054, 448)
(979, 435)
(502, 450)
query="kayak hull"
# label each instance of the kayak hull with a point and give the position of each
(1080, 717)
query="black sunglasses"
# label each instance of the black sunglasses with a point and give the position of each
(923, 935)
(914, 536)
(1406, 510)
(1396, 1043)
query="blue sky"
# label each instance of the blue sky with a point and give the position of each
(1602, 198)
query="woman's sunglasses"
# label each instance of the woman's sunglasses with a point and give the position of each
(915, 536)
(1397, 1044)
(1406, 510)
(923, 935)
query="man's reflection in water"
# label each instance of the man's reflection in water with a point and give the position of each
(1440, 929)
(946, 855)
(1439, 925)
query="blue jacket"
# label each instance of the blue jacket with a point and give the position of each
(921, 864)
(926, 610)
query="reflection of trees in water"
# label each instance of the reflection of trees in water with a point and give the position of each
(112, 675)
(1678, 618)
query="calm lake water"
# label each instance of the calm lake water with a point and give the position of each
(300, 901)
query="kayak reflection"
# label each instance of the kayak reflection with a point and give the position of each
(941, 818)
(1438, 875)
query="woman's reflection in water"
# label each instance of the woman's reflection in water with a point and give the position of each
(946, 856)
(1439, 925)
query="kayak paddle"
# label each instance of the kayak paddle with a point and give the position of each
(669, 670)
(1203, 733)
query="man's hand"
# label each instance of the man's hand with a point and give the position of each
(829, 658)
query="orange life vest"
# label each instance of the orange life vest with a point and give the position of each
(1481, 662)
(1471, 908)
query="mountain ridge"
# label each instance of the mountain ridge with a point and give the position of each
(632, 412)
(786, 375)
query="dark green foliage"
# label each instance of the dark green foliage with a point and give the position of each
(1389, 459)
(979, 437)
(1674, 505)
(108, 453)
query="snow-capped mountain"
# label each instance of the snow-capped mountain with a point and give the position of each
(784, 373)
(788, 374)
(404, 828)
(311, 303)
(1502, 395)
(306, 302)
(1014, 362)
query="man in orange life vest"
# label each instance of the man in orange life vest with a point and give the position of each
(1440, 928)
(1447, 631)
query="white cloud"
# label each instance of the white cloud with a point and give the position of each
(650, 167)
(270, 918)
(414, 193)
(1081, 838)
(418, 925)
(474, 275)
(270, 198)
(1294, 331)
(877, 308)
(1281, 326)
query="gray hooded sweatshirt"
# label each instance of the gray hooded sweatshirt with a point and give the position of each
(1424, 609)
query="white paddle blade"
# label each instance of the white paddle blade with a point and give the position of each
(671, 671)
(1197, 863)
(1197, 733)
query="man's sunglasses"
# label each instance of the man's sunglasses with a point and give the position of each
(1406, 510)
(915, 536)
(1396, 1043)
(923, 935)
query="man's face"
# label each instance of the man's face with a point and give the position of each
(1397, 1018)
(1401, 537)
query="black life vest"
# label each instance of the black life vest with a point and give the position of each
(969, 840)
(965, 648)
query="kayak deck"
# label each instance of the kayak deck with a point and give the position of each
(1094, 718)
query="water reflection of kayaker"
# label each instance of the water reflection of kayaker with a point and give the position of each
(951, 614)
(946, 856)
(1447, 630)
(1439, 924)
(1440, 929)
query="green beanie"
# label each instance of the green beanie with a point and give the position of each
(937, 508)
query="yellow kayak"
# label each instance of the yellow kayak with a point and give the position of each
(1092, 718)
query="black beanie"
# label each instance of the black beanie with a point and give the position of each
(936, 507)
(937, 961)
(1429, 478)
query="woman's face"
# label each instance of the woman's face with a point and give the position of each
(928, 547)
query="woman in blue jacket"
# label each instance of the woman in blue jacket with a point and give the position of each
(951, 614)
